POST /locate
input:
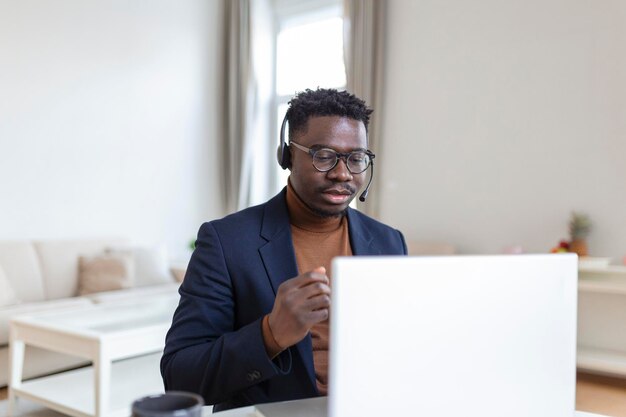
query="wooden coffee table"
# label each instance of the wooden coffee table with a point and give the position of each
(124, 341)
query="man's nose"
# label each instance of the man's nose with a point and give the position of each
(340, 172)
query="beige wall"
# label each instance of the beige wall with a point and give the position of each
(502, 117)
(108, 118)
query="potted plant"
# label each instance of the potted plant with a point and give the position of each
(579, 229)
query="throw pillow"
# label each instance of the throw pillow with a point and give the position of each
(7, 295)
(151, 266)
(104, 273)
(179, 273)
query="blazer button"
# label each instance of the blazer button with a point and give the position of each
(253, 376)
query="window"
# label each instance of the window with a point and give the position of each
(309, 54)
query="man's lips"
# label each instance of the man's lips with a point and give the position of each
(337, 195)
(336, 191)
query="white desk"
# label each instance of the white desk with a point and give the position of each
(309, 407)
(122, 332)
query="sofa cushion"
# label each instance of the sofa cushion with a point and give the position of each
(178, 273)
(151, 265)
(140, 293)
(7, 295)
(21, 267)
(59, 263)
(6, 313)
(105, 273)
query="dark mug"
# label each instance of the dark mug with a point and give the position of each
(170, 404)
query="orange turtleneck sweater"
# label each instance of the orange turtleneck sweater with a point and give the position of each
(316, 241)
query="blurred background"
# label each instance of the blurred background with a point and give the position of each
(494, 120)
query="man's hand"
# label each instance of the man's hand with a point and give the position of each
(300, 303)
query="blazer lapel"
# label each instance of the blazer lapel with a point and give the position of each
(361, 239)
(277, 253)
(279, 259)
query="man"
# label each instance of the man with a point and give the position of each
(252, 323)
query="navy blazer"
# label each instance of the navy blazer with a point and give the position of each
(215, 345)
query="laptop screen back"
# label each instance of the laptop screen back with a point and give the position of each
(453, 336)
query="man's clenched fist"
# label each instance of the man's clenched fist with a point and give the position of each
(300, 303)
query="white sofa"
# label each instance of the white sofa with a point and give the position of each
(44, 277)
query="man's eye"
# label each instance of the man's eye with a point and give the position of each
(324, 156)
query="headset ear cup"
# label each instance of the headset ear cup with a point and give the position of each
(283, 154)
(286, 157)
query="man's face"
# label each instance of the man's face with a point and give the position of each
(327, 193)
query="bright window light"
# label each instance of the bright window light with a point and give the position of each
(310, 56)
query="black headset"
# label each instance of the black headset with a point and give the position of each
(283, 154)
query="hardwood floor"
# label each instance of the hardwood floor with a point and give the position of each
(600, 394)
(595, 394)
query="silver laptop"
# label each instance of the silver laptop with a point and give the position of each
(487, 336)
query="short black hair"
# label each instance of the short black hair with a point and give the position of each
(325, 102)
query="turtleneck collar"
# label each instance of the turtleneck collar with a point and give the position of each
(302, 217)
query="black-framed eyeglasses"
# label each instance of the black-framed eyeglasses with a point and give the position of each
(325, 159)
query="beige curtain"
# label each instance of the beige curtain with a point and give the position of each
(247, 82)
(236, 86)
(363, 39)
